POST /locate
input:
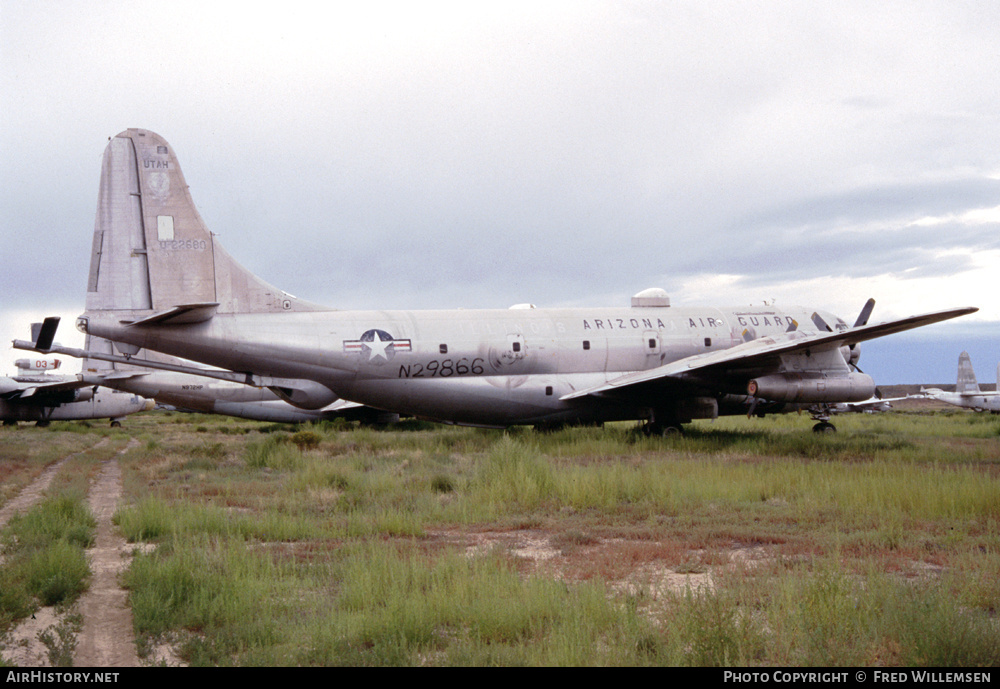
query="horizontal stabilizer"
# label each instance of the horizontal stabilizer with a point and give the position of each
(184, 314)
(48, 332)
(44, 333)
(121, 375)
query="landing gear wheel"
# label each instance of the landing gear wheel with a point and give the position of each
(824, 427)
(666, 430)
(116, 424)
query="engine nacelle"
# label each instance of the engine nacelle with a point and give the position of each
(793, 387)
(83, 394)
(305, 394)
(851, 354)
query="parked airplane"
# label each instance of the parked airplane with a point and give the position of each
(187, 388)
(42, 398)
(868, 406)
(160, 280)
(967, 393)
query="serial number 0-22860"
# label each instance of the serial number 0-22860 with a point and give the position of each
(443, 368)
(184, 244)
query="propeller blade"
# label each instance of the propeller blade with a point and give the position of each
(820, 323)
(866, 312)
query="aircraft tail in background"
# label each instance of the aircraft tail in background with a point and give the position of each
(966, 383)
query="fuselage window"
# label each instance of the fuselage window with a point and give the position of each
(586, 345)
(708, 341)
(443, 349)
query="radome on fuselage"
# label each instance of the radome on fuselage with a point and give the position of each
(161, 281)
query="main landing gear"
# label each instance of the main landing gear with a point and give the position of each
(669, 430)
(665, 425)
(821, 414)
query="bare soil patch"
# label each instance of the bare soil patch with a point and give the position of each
(656, 568)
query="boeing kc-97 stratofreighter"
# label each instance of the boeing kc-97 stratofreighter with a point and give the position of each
(160, 280)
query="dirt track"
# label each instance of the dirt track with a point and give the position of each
(106, 638)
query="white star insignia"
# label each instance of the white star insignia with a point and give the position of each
(377, 348)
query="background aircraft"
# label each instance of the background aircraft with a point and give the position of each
(967, 393)
(34, 395)
(869, 406)
(160, 280)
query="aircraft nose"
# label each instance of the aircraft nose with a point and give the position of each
(149, 405)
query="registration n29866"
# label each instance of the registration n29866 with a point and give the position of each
(444, 368)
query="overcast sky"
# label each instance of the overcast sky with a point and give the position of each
(472, 154)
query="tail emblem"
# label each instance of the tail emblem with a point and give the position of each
(377, 346)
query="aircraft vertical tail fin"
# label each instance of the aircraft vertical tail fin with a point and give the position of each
(152, 251)
(966, 376)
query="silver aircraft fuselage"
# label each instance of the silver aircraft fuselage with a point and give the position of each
(480, 367)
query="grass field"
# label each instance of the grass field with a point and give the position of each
(741, 543)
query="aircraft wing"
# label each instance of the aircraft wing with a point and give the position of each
(875, 403)
(761, 356)
(53, 393)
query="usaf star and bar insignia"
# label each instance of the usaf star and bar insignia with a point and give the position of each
(377, 346)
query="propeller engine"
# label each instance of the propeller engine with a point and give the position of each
(851, 353)
(857, 386)
(854, 351)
